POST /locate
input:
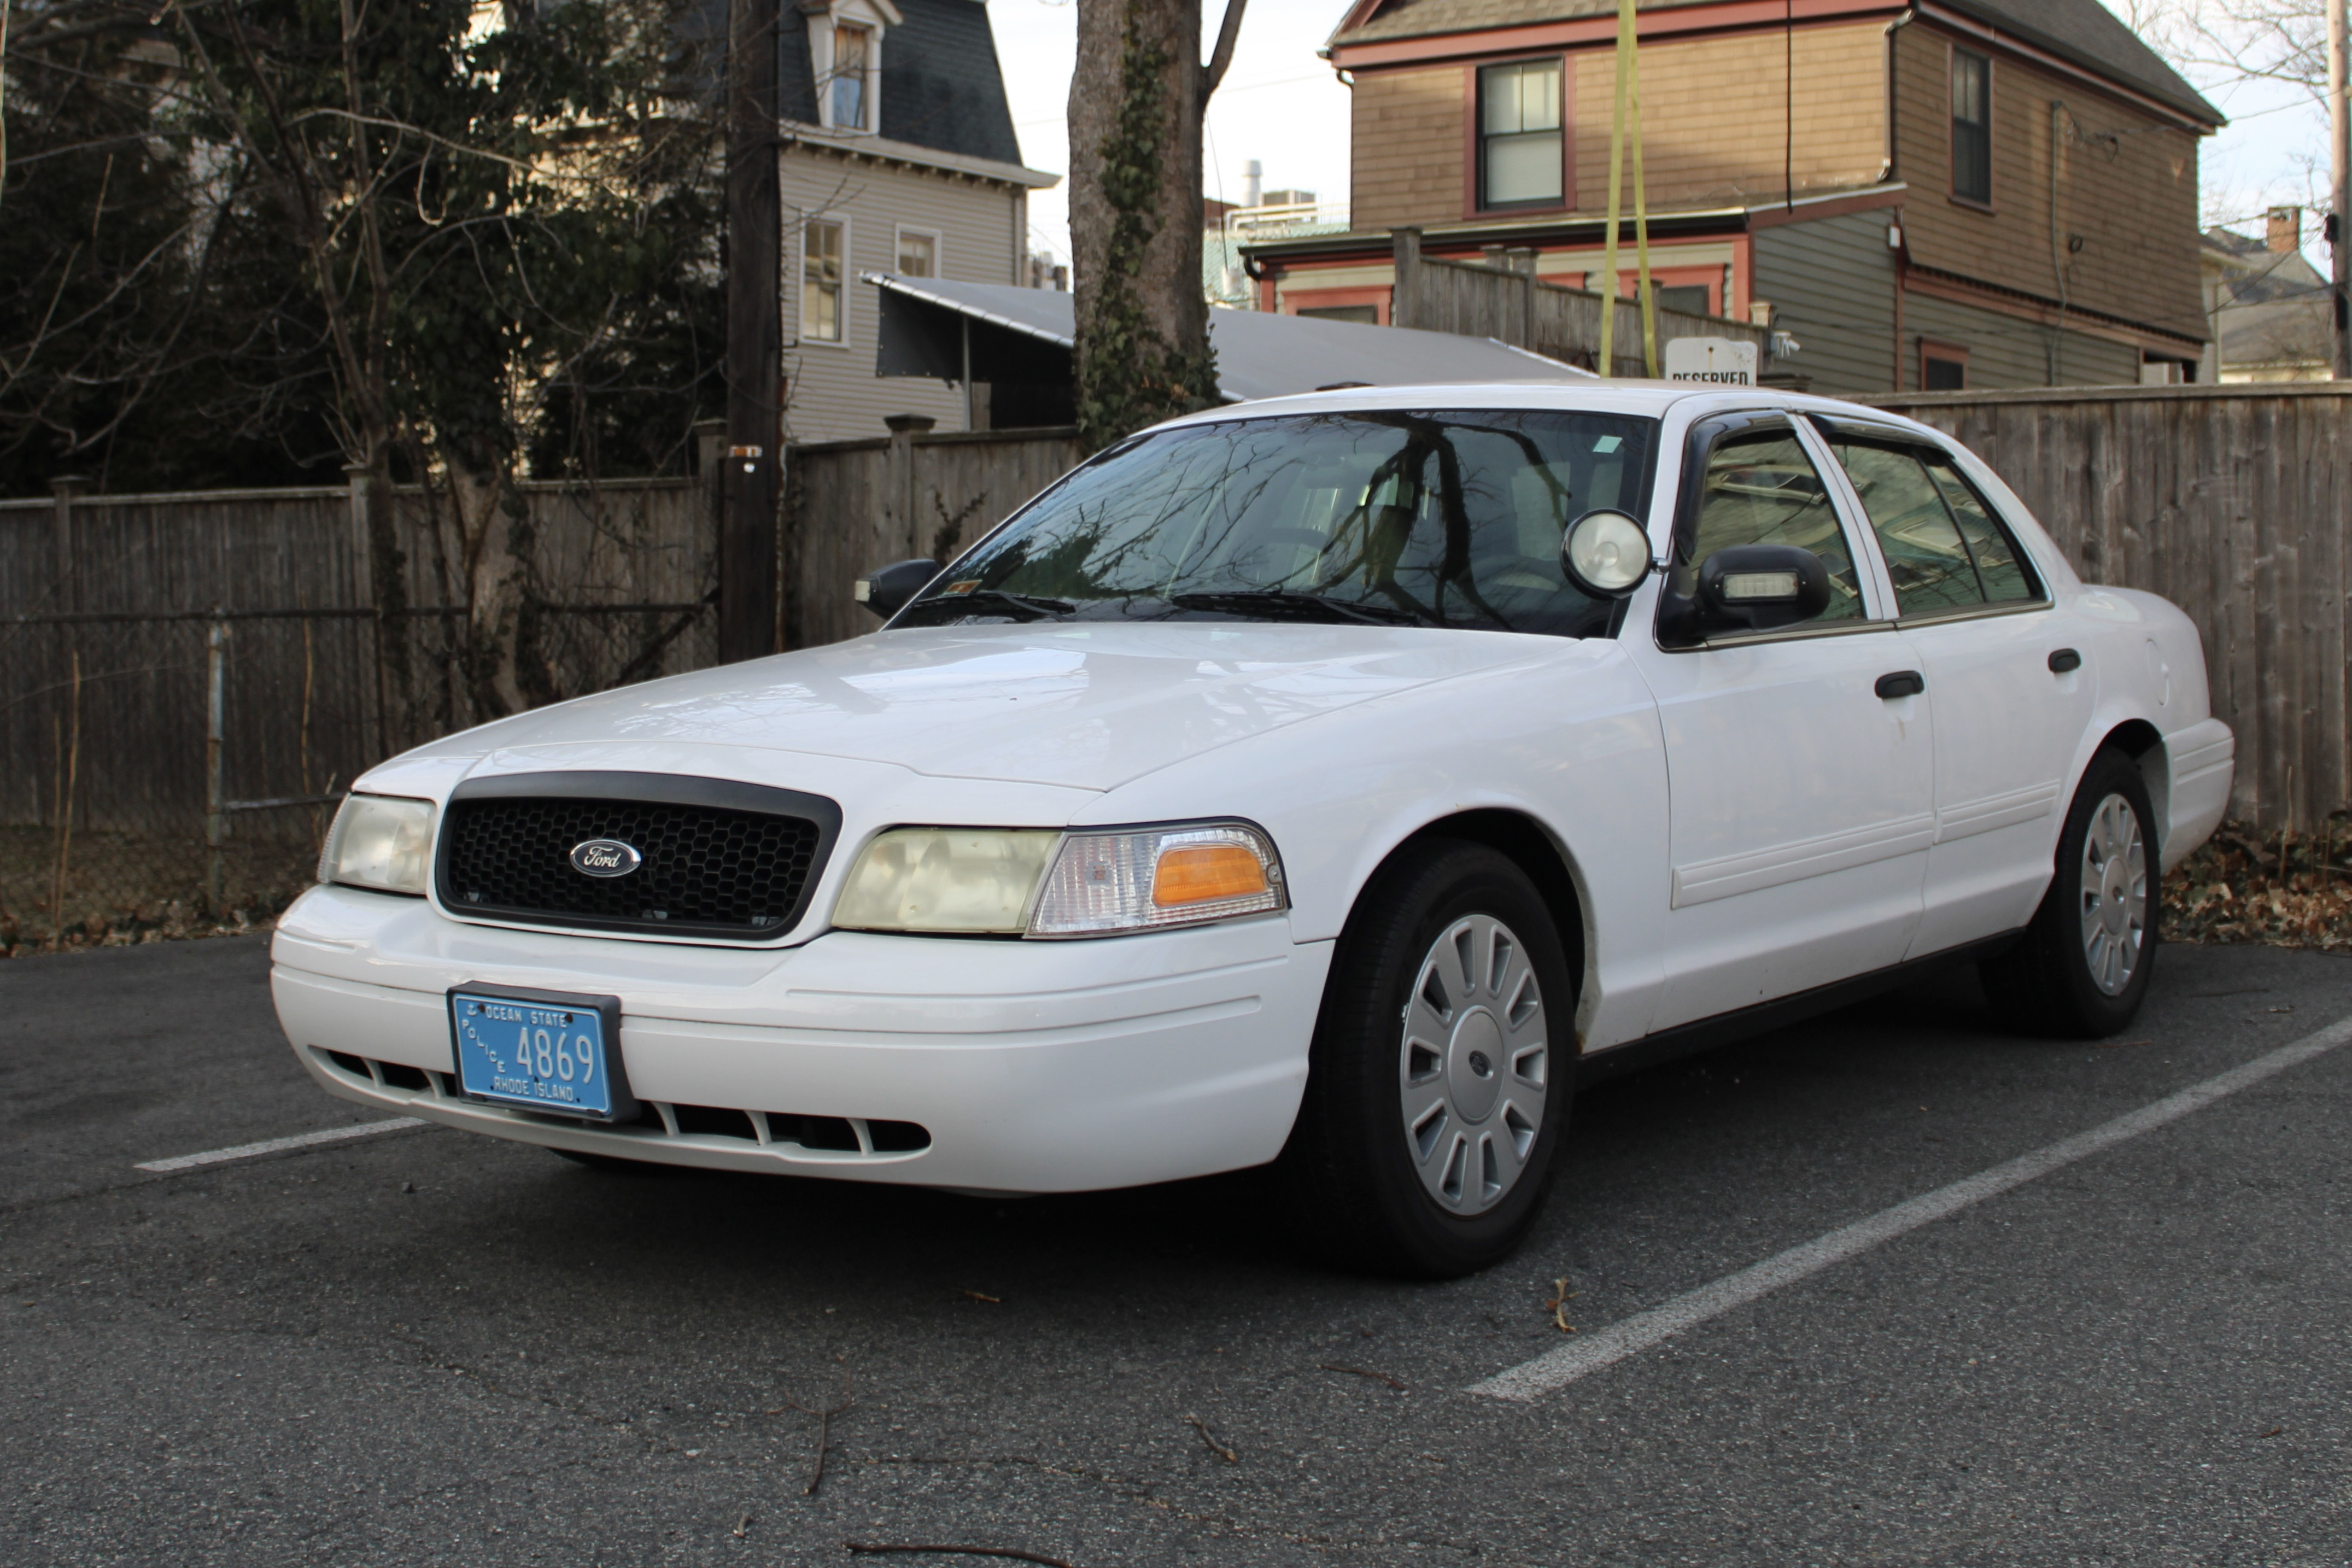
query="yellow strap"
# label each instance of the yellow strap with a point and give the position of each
(1641, 201)
(1608, 289)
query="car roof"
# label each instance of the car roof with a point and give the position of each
(1643, 399)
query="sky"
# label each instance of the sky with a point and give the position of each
(1282, 105)
(1279, 103)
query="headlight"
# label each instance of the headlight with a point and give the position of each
(1041, 883)
(973, 880)
(380, 841)
(1141, 879)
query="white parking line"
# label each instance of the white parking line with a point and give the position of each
(1591, 1352)
(272, 1145)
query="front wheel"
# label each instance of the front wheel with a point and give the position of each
(2085, 964)
(1440, 1077)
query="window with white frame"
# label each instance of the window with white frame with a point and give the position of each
(918, 253)
(823, 301)
(845, 50)
(853, 52)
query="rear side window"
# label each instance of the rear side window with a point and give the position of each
(1760, 489)
(1943, 547)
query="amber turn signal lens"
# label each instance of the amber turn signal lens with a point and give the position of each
(1198, 873)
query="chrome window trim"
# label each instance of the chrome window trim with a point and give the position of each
(1975, 613)
(1784, 634)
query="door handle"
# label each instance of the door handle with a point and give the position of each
(2065, 661)
(1901, 683)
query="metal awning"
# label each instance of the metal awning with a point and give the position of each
(1000, 335)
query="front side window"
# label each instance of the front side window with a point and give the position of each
(821, 279)
(1760, 487)
(1943, 548)
(852, 47)
(1971, 126)
(1519, 135)
(1406, 518)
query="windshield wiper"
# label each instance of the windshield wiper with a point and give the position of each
(1019, 603)
(1289, 604)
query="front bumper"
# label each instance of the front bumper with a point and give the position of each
(1031, 1067)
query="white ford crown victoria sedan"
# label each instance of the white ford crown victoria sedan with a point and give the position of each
(1328, 782)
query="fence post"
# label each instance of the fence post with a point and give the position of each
(66, 486)
(1404, 297)
(215, 796)
(904, 428)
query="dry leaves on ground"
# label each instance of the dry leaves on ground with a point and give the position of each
(2249, 886)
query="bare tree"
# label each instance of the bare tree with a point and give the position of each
(1137, 97)
(2238, 40)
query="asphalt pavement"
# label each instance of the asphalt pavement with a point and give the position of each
(424, 1347)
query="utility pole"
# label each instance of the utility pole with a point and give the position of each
(754, 457)
(2339, 207)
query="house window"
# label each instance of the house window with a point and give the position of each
(1943, 367)
(1519, 135)
(821, 317)
(1971, 126)
(1690, 299)
(918, 253)
(852, 48)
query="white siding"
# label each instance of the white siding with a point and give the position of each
(835, 395)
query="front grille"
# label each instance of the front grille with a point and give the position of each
(719, 858)
(660, 1121)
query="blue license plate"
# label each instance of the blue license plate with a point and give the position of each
(540, 1050)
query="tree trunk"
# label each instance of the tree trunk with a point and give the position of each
(1142, 352)
(493, 527)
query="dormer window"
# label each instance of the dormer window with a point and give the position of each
(844, 46)
(852, 48)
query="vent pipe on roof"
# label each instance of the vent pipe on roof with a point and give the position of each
(1252, 180)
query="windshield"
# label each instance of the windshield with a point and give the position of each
(1410, 518)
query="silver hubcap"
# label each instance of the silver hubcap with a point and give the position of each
(1474, 1065)
(2115, 894)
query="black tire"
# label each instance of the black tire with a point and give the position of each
(2046, 985)
(1355, 1188)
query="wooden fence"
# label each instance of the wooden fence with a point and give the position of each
(121, 616)
(2231, 501)
(852, 506)
(1517, 308)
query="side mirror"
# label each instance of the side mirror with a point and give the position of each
(1759, 586)
(886, 590)
(1605, 554)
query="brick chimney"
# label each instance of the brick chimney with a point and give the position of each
(2286, 229)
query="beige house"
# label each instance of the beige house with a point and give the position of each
(2268, 306)
(898, 156)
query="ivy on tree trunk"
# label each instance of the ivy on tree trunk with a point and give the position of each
(1142, 350)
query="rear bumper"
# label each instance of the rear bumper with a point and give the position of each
(2203, 760)
(1032, 1066)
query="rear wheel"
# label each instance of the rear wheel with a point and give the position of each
(1441, 1072)
(2085, 964)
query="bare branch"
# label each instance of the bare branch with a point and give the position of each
(1221, 59)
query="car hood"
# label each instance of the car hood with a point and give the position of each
(1089, 705)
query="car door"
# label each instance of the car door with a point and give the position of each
(2010, 694)
(1800, 799)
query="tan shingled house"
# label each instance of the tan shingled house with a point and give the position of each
(1950, 193)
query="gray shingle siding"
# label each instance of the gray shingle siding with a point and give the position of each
(1832, 285)
(2004, 351)
(941, 86)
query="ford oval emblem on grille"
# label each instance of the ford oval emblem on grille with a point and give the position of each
(605, 858)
